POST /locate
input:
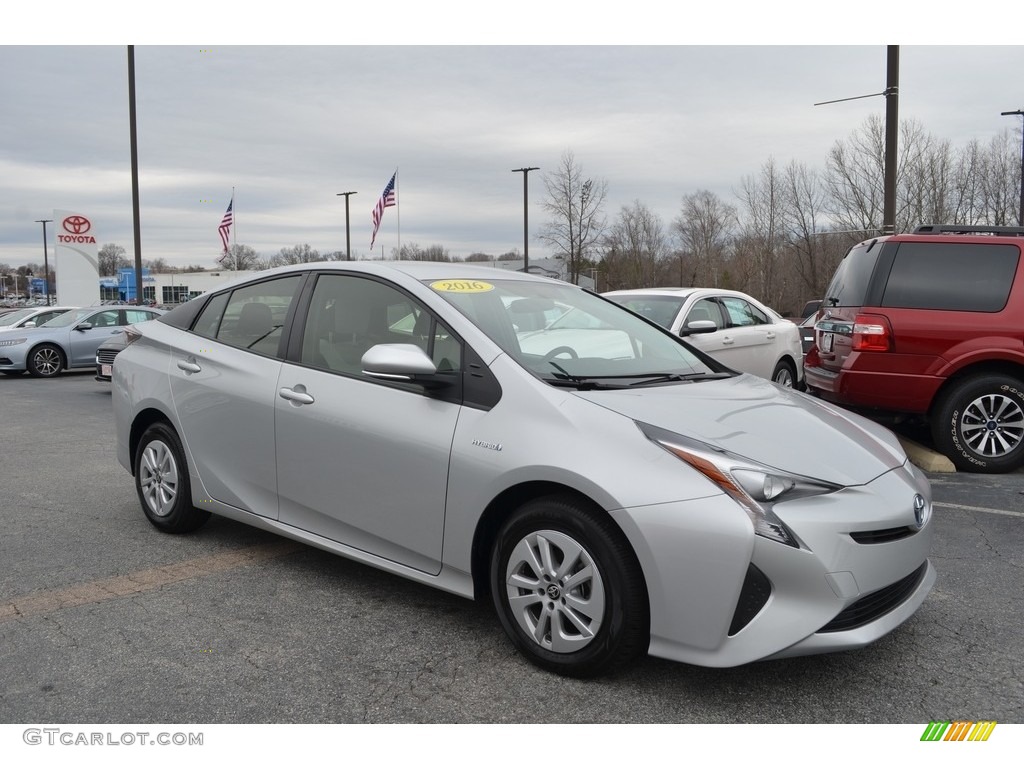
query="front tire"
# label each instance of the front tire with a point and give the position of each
(979, 424)
(162, 482)
(45, 361)
(568, 589)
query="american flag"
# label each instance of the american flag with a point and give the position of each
(225, 225)
(387, 200)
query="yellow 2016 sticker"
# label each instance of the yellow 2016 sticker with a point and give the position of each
(461, 286)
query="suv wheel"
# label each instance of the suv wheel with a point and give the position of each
(979, 424)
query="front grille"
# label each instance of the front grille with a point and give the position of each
(876, 604)
(106, 356)
(755, 593)
(882, 536)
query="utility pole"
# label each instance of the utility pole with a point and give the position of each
(526, 218)
(348, 234)
(135, 174)
(891, 93)
(46, 258)
(1020, 215)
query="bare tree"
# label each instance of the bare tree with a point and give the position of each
(854, 179)
(111, 258)
(576, 206)
(413, 252)
(704, 228)
(763, 201)
(1000, 186)
(634, 246)
(244, 256)
(297, 254)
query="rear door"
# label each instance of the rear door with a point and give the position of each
(225, 373)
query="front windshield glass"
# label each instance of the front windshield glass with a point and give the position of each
(73, 317)
(659, 309)
(564, 334)
(19, 314)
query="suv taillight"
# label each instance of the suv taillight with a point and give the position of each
(871, 333)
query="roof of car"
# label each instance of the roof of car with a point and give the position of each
(678, 292)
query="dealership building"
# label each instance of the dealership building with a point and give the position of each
(164, 287)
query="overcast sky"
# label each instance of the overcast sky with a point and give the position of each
(289, 126)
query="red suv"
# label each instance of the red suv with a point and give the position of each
(932, 324)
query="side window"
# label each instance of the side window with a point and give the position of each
(951, 276)
(704, 309)
(108, 319)
(254, 316)
(742, 313)
(138, 315)
(348, 315)
(208, 322)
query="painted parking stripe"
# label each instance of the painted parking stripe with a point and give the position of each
(962, 508)
(40, 603)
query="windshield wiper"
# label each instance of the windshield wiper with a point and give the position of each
(661, 378)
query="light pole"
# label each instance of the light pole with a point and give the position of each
(526, 218)
(1020, 215)
(348, 234)
(46, 258)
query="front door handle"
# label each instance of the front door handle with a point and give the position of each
(190, 365)
(297, 395)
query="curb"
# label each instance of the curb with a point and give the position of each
(926, 458)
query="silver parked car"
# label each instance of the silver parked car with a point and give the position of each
(67, 341)
(731, 326)
(30, 317)
(613, 490)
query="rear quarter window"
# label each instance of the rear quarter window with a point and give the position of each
(951, 276)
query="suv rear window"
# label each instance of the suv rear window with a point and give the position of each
(951, 276)
(849, 285)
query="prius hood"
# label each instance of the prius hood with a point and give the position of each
(756, 419)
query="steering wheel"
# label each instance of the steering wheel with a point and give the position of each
(560, 351)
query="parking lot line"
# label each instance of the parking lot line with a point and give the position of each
(963, 508)
(141, 581)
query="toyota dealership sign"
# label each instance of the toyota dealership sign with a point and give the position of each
(77, 255)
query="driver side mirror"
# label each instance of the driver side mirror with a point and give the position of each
(698, 326)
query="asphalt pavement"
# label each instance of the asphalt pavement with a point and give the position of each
(105, 620)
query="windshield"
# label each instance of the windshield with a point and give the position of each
(566, 335)
(662, 310)
(19, 314)
(72, 317)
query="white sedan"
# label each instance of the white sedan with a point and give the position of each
(747, 335)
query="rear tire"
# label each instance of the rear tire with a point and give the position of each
(568, 589)
(162, 482)
(979, 424)
(784, 374)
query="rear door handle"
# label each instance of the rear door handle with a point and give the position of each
(189, 366)
(297, 395)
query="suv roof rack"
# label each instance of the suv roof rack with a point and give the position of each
(963, 229)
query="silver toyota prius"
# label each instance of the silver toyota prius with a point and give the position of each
(612, 489)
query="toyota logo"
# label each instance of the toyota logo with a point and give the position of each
(77, 225)
(921, 511)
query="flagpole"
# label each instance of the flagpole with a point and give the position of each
(234, 228)
(398, 214)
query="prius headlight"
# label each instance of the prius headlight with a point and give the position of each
(11, 342)
(753, 486)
